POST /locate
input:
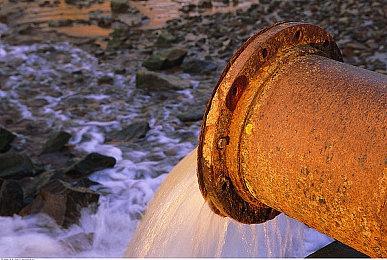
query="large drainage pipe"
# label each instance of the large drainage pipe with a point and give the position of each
(290, 128)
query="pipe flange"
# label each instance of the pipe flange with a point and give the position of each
(256, 60)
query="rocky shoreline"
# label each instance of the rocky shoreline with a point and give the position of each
(35, 175)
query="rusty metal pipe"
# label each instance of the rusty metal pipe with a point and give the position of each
(290, 128)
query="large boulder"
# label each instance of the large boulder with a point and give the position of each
(62, 202)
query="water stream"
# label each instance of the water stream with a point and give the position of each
(178, 223)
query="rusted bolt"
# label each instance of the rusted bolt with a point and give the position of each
(306, 135)
(223, 142)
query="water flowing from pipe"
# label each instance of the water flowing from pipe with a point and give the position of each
(178, 223)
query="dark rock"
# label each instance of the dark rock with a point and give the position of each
(60, 23)
(11, 198)
(119, 6)
(165, 59)
(159, 82)
(31, 186)
(337, 249)
(62, 202)
(24, 28)
(91, 163)
(56, 142)
(86, 183)
(205, 4)
(191, 115)
(133, 131)
(6, 138)
(105, 80)
(199, 66)
(119, 39)
(186, 8)
(15, 166)
(165, 39)
(103, 20)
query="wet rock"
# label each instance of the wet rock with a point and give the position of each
(153, 81)
(11, 198)
(60, 23)
(133, 131)
(15, 166)
(191, 115)
(356, 46)
(24, 28)
(186, 8)
(91, 163)
(165, 59)
(119, 40)
(103, 19)
(62, 202)
(205, 4)
(165, 39)
(6, 138)
(31, 186)
(79, 242)
(119, 6)
(56, 142)
(196, 66)
(105, 80)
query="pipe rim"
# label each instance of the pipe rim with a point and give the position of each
(221, 189)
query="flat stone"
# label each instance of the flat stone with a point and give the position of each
(191, 115)
(133, 131)
(153, 81)
(199, 66)
(60, 23)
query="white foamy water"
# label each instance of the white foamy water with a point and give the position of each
(178, 223)
(183, 226)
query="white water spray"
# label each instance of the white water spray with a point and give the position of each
(178, 223)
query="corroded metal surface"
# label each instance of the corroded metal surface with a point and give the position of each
(290, 128)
